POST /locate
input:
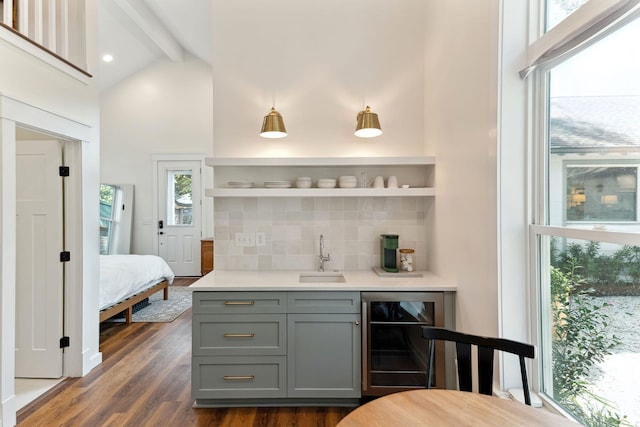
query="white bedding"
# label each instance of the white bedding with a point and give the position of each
(122, 276)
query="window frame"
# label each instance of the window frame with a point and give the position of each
(540, 230)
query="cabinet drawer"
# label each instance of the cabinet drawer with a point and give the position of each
(246, 334)
(238, 377)
(323, 302)
(239, 302)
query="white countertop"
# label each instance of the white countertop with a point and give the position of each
(288, 280)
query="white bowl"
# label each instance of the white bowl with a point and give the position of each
(326, 183)
(303, 184)
(347, 184)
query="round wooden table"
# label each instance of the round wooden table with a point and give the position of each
(448, 408)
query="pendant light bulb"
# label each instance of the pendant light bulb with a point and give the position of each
(368, 125)
(273, 125)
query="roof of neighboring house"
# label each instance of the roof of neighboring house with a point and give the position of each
(591, 124)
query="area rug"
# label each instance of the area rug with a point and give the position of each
(160, 310)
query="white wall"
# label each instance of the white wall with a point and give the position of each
(42, 89)
(164, 108)
(321, 61)
(460, 128)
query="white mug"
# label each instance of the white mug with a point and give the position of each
(392, 182)
(378, 182)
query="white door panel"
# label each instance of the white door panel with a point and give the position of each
(39, 272)
(180, 213)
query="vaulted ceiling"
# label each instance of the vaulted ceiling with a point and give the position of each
(139, 32)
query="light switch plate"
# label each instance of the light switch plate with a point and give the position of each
(245, 239)
(260, 238)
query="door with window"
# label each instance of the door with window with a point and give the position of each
(180, 215)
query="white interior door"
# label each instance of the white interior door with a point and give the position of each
(39, 272)
(180, 215)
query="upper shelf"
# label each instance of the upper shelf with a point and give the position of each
(320, 161)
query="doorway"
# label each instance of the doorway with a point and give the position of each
(178, 209)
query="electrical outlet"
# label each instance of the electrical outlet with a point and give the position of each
(260, 238)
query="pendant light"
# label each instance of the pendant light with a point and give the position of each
(273, 125)
(368, 124)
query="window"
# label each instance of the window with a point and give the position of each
(179, 203)
(107, 199)
(557, 10)
(116, 215)
(587, 237)
(601, 193)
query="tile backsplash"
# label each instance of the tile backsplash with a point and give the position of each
(292, 226)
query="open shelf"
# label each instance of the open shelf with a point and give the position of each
(417, 172)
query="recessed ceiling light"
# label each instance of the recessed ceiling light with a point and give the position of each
(107, 57)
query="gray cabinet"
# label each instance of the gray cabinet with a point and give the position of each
(324, 344)
(270, 348)
(323, 356)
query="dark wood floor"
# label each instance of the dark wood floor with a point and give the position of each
(145, 380)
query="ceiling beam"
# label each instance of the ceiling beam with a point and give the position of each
(152, 27)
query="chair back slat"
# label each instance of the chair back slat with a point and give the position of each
(463, 351)
(486, 347)
(485, 370)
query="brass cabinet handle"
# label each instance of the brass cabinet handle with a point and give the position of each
(239, 303)
(250, 335)
(239, 377)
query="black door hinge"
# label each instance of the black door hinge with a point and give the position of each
(64, 170)
(65, 256)
(64, 342)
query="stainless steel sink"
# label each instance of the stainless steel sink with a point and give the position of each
(322, 277)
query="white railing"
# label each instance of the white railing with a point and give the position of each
(56, 25)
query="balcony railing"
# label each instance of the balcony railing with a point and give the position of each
(56, 26)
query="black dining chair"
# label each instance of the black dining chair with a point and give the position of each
(486, 347)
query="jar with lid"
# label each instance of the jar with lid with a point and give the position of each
(406, 259)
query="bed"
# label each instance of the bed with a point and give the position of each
(125, 280)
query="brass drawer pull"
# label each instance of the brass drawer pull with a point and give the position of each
(239, 377)
(239, 303)
(239, 335)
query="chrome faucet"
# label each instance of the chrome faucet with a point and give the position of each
(323, 258)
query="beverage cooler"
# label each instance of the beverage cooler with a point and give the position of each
(395, 356)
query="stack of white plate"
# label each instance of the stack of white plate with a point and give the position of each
(239, 184)
(347, 182)
(326, 183)
(303, 182)
(277, 184)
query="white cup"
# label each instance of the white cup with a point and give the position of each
(378, 182)
(392, 182)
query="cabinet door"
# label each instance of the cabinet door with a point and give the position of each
(323, 358)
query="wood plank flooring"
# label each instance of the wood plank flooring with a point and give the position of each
(145, 380)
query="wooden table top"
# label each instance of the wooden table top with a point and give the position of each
(449, 408)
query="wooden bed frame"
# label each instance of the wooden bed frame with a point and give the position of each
(126, 305)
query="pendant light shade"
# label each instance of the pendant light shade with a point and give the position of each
(273, 125)
(368, 124)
